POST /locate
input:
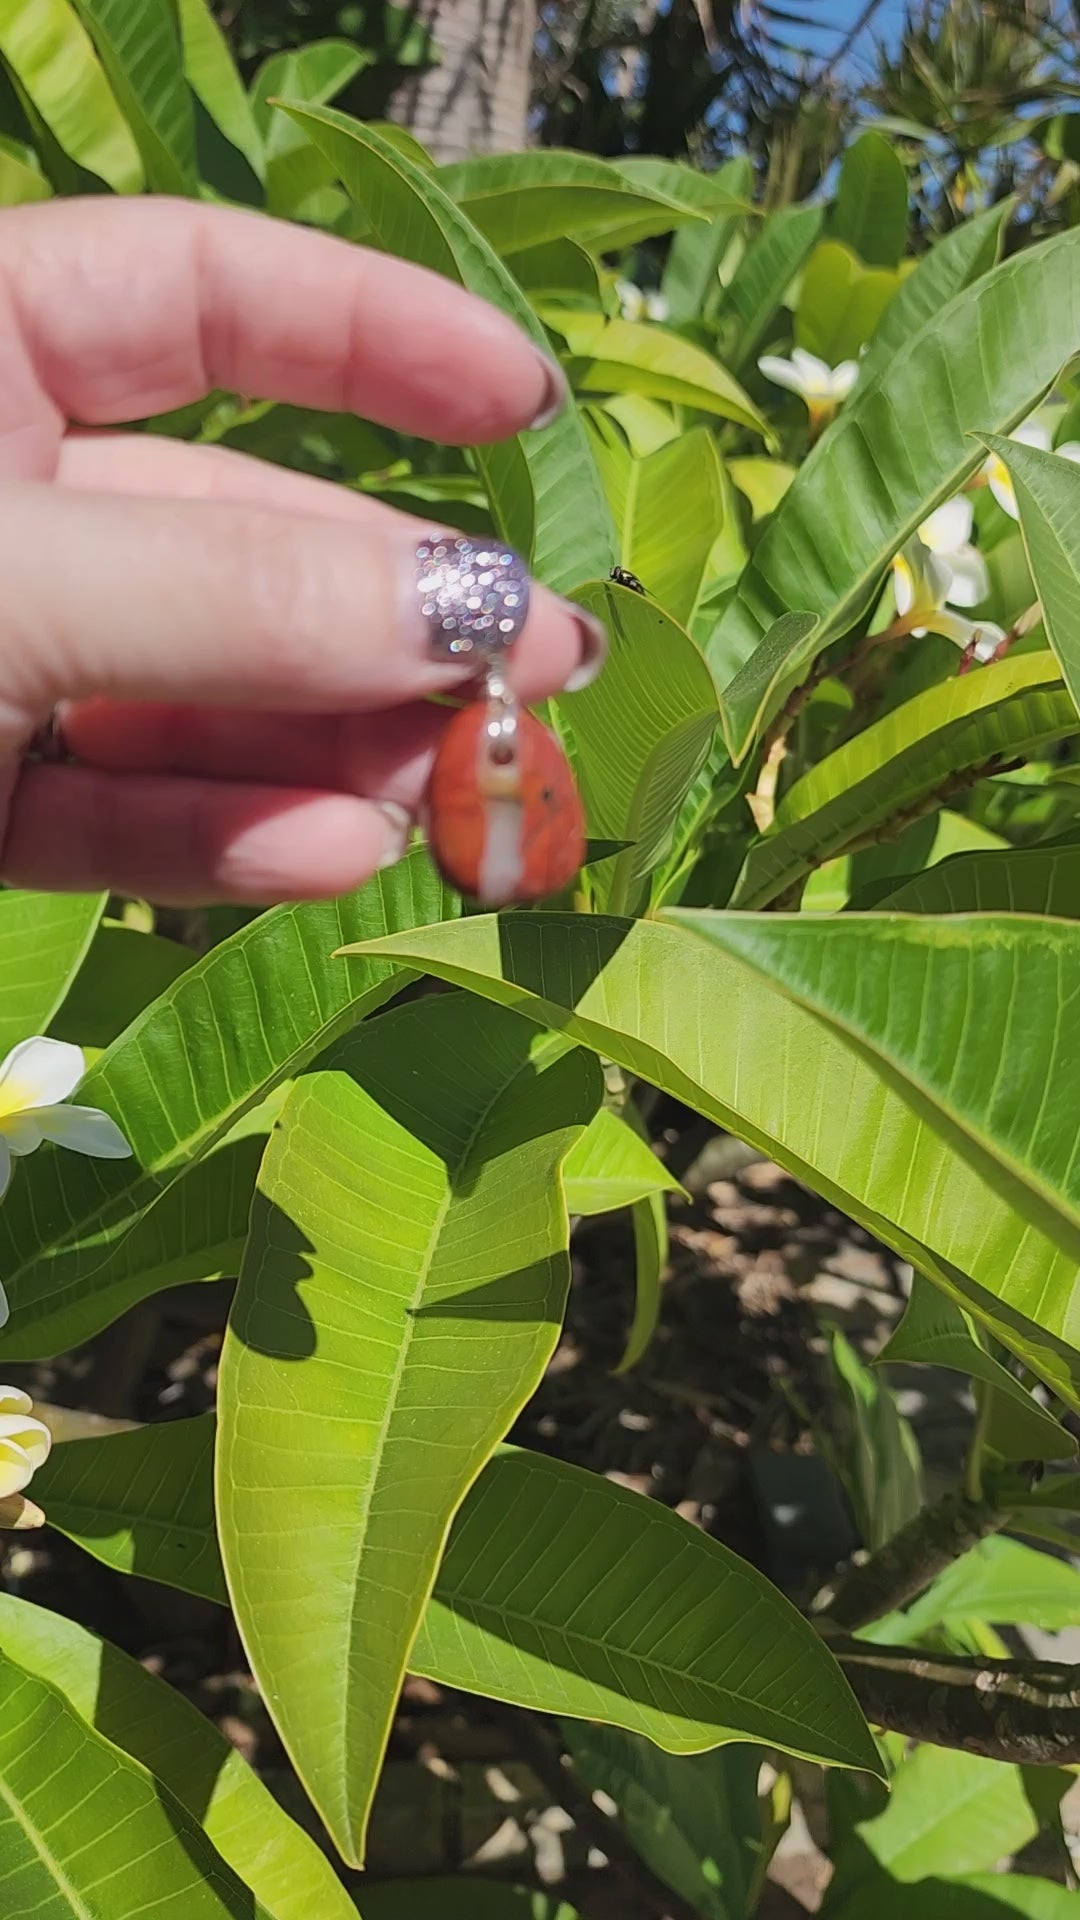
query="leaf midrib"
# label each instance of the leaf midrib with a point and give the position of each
(45, 1854)
(411, 1314)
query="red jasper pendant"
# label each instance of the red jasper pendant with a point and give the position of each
(505, 821)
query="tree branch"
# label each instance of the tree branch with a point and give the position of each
(1022, 1711)
(907, 1563)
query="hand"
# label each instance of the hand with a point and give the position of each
(236, 650)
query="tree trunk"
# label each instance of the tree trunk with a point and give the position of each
(477, 100)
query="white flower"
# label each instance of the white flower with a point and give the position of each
(37, 1076)
(636, 305)
(947, 535)
(24, 1442)
(821, 386)
(922, 581)
(996, 473)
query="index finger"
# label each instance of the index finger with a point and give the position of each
(115, 309)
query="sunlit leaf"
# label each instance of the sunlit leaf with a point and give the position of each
(951, 264)
(668, 509)
(521, 199)
(1048, 498)
(180, 1747)
(44, 940)
(690, 282)
(1006, 711)
(1043, 880)
(687, 1013)
(612, 1166)
(902, 443)
(403, 1285)
(139, 47)
(763, 277)
(629, 356)
(52, 56)
(412, 215)
(253, 1012)
(117, 1843)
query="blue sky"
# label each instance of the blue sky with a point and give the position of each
(838, 15)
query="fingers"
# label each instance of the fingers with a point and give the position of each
(179, 841)
(152, 466)
(385, 756)
(220, 604)
(114, 310)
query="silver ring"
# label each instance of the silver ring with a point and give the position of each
(474, 596)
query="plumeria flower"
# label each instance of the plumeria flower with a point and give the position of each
(947, 535)
(634, 304)
(821, 386)
(922, 580)
(35, 1079)
(1030, 434)
(24, 1442)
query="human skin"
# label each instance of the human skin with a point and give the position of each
(235, 651)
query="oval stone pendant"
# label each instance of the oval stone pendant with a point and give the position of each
(505, 821)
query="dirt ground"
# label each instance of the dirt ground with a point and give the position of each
(715, 1421)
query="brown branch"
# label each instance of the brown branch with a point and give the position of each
(1025, 1712)
(907, 1563)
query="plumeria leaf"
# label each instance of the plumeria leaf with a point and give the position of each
(410, 1335)
(543, 486)
(156, 1728)
(44, 939)
(1002, 712)
(255, 1010)
(784, 1071)
(1047, 492)
(903, 443)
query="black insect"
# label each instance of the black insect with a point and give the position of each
(623, 577)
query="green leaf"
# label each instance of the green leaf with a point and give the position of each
(121, 973)
(252, 1013)
(1006, 711)
(540, 1600)
(155, 1725)
(556, 1617)
(412, 216)
(690, 283)
(612, 1166)
(870, 211)
(469, 1896)
(668, 509)
(936, 1332)
(756, 693)
(641, 732)
(194, 1231)
(52, 57)
(216, 83)
(308, 76)
(903, 443)
(694, 1819)
(951, 264)
(648, 1219)
(1044, 880)
(840, 302)
(1048, 498)
(21, 179)
(903, 989)
(139, 47)
(382, 1293)
(764, 275)
(141, 1502)
(999, 1581)
(86, 1830)
(44, 938)
(981, 1897)
(711, 192)
(949, 1812)
(558, 269)
(522, 199)
(628, 356)
(878, 1456)
(685, 1012)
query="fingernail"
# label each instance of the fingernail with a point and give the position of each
(473, 596)
(593, 638)
(398, 832)
(555, 391)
